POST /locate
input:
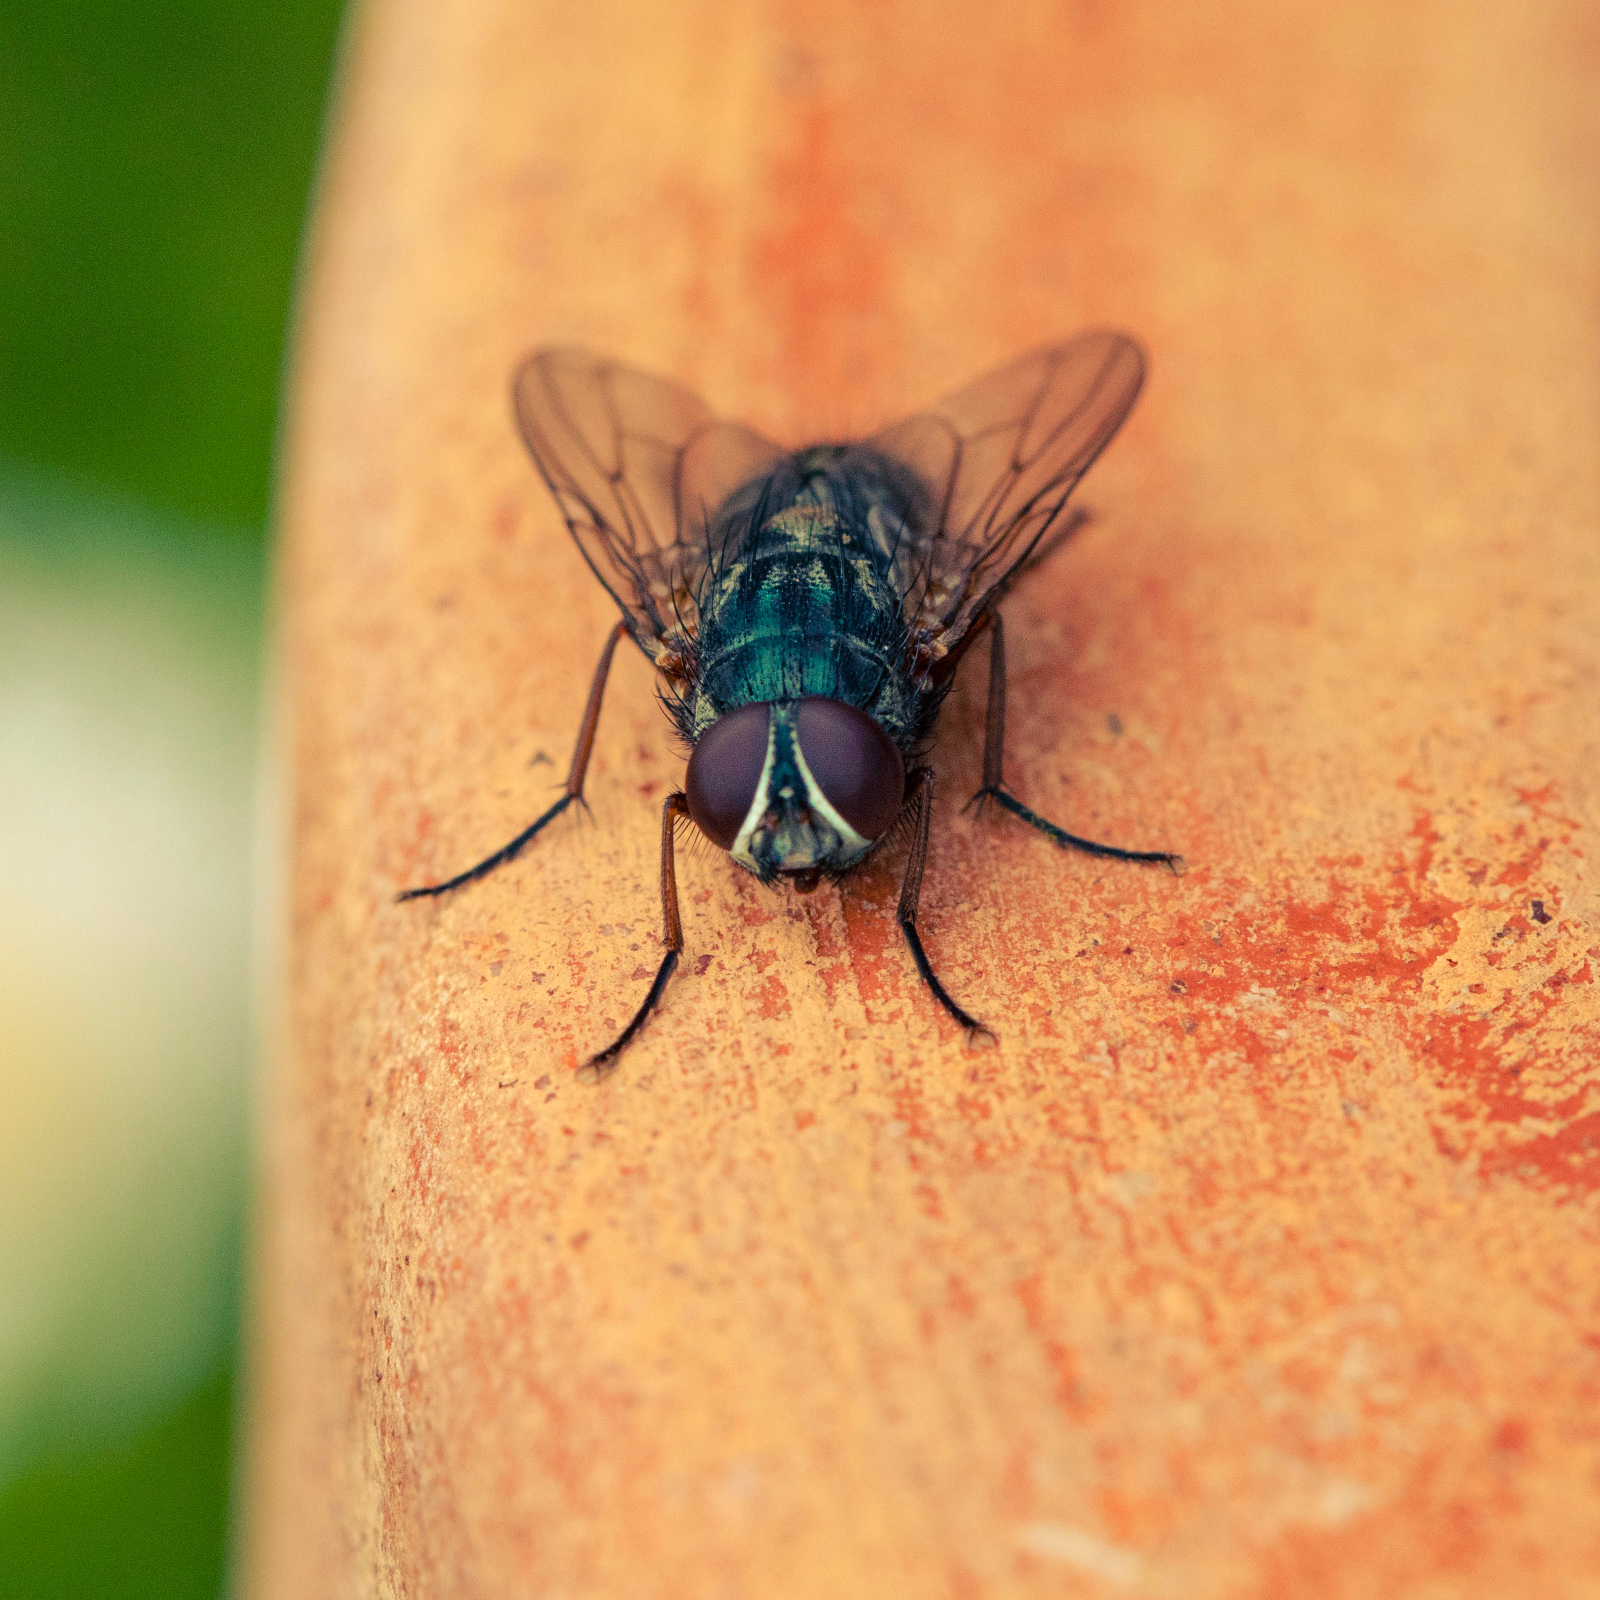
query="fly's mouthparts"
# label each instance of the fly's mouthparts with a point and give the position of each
(792, 838)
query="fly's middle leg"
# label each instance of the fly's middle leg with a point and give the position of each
(574, 787)
(994, 788)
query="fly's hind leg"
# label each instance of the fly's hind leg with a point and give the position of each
(994, 788)
(574, 791)
(919, 801)
(673, 811)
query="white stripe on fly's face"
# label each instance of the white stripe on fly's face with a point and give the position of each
(854, 846)
(851, 846)
(740, 848)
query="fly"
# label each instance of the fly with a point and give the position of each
(806, 611)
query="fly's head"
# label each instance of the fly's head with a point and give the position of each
(797, 787)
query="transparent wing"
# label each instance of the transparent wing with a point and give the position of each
(638, 466)
(997, 461)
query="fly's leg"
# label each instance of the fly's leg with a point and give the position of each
(673, 811)
(575, 774)
(994, 788)
(919, 801)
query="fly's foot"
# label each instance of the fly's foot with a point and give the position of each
(597, 1069)
(980, 801)
(963, 1018)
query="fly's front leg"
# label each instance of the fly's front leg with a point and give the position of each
(673, 811)
(994, 788)
(575, 776)
(919, 800)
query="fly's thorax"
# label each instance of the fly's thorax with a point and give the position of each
(805, 608)
(795, 785)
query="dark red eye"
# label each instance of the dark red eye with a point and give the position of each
(854, 762)
(724, 770)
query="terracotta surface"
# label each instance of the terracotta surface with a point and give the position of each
(1260, 1258)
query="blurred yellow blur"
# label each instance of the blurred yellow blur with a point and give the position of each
(129, 653)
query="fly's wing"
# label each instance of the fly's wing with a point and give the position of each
(639, 468)
(995, 463)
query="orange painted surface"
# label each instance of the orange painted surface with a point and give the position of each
(1260, 1258)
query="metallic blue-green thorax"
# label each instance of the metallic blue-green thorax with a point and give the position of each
(804, 603)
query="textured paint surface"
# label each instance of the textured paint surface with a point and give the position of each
(1260, 1258)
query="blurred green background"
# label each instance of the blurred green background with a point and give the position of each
(155, 166)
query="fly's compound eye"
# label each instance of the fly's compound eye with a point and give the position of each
(724, 770)
(854, 763)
